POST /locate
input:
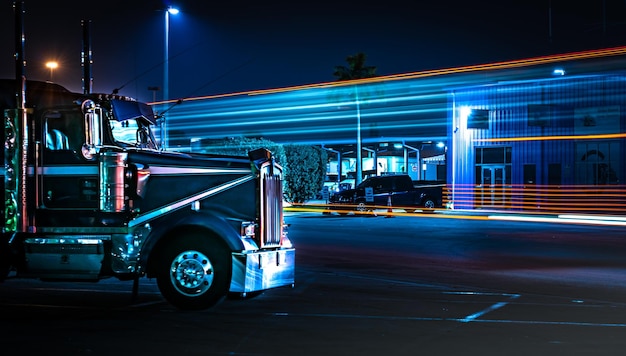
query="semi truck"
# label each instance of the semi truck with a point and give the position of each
(89, 194)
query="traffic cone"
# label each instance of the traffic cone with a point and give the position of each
(389, 209)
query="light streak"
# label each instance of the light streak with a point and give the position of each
(615, 51)
(407, 106)
(557, 220)
(550, 138)
(593, 217)
(541, 199)
(599, 53)
(472, 215)
(397, 104)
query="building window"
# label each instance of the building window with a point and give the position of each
(598, 163)
(539, 115)
(554, 174)
(478, 119)
(530, 174)
(490, 155)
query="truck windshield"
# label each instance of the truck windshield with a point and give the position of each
(133, 133)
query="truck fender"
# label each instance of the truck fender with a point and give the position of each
(171, 227)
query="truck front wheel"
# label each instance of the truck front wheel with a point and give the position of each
(193, 272)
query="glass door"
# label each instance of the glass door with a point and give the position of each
(492, 190)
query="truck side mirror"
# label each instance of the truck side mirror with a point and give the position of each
(93, 129)
(142, 137)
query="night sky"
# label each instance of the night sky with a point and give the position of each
(245, 45)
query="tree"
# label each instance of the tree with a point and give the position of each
(240, 146)
(356, 69)
(305, 169)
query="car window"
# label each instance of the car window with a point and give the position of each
(382, 185)
(401, 183)
(367, 183)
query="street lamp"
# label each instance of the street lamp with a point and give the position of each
(173, 11)
(52, 65)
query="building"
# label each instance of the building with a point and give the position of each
(546, 144)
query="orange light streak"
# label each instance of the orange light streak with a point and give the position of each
(549, 138)
(541, 199)
(615, 51)
(585, 219)
(590, 54)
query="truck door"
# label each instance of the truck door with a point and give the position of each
(402, 192)
(382, 189)
(66, 180)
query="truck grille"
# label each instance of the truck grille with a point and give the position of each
(271, 224)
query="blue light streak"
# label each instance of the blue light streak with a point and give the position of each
(317, 115)
(409, 105)
(429, 106)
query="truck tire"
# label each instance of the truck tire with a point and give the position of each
(193, 272)
(429, 205)
(361, 207)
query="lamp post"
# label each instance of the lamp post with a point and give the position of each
(52, 65)
(173, 11)
(154, 89)
(359, 156)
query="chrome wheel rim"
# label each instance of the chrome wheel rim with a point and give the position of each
(191, 273)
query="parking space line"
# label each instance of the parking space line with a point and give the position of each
(443, 289)
(543, 322)
(390, 280)
(463, 320)
(474, 316)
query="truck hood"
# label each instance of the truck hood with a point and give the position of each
(165, 180)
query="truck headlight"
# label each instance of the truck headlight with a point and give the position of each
(248, 230)
(248, 234)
